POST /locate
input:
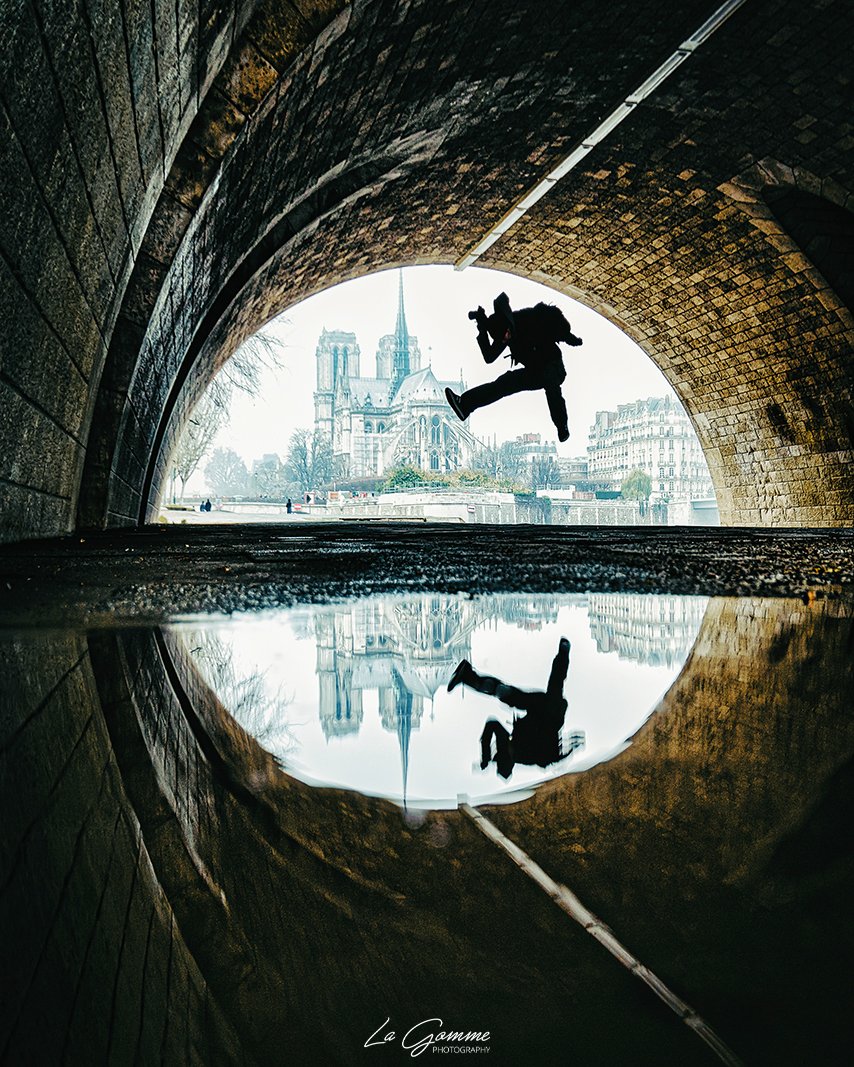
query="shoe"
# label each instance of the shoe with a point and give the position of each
(463, 668)
(455, 402)
(563, 434)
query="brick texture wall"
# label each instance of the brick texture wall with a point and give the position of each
(150, 225)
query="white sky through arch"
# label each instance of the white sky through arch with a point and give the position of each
(609, 369)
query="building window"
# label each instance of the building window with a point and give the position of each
(380, 427)
(434, 461)
(369, 427)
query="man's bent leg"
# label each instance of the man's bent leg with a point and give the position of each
(560, 667)
(554, 376)
(503, 755)
(557, 410)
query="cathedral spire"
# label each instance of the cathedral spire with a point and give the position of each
(401, 362)
(401, 333)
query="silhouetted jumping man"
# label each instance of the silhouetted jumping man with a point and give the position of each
(532, 336)
(535, 740)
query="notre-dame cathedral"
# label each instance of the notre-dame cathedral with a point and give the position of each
(398, 418)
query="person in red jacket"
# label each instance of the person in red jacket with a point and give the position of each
(531, 336)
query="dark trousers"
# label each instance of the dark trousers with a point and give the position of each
(525, 699)
(549, 377)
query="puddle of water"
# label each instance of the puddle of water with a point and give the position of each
(356, 695)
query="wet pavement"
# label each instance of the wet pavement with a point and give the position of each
(156, 572)
(256, 814)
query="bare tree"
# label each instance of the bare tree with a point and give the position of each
(502, 462)
(270, 479)
(309, 461)
(243, 370)
(226, 473)
(545, 473)
(204, 424)
(241, 373)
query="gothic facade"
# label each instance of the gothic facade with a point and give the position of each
(397, 418)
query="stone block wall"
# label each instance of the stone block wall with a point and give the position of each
(94, 967)
(95, 100)
(648, 231)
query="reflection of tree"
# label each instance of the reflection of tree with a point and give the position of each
(243, 694)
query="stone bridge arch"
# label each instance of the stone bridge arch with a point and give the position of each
(176, 183)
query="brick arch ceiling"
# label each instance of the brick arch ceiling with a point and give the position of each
(180, 183)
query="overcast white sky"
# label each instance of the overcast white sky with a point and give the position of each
(609, 369)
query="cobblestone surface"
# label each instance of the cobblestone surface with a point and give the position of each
(158, 572)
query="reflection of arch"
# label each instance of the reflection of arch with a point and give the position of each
(786, 755)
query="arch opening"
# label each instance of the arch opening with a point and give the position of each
(627, 425)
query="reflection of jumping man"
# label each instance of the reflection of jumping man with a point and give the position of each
(532, 336)
(535, 740)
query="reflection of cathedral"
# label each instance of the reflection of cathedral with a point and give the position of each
(404, 646)
(395, 647)
(398, 418)
(656, 630)
(402, 650)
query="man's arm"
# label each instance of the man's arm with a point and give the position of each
(490, 350)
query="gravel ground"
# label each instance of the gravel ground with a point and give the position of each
(154, 573)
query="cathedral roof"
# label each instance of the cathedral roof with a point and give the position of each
(423, 387)
(377, 389)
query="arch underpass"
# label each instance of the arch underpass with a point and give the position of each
(175, 185)
(177, 173)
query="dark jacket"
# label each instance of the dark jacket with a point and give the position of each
(534, 337)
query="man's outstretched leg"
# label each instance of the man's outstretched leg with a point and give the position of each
(465, 674)
(513, 381)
